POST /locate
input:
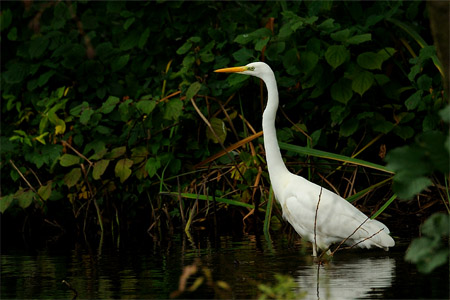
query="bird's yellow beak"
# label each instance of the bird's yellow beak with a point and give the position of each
(232, 70)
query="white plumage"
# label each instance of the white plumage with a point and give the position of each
(337, 219)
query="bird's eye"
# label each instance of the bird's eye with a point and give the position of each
(251, 69)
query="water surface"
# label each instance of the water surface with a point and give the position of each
(152, 269)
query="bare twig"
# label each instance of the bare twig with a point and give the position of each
(26, 181)
(315, 221)
(78, 153)
(350, 247)
(332, 253)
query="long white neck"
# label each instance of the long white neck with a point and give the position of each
(275, 162)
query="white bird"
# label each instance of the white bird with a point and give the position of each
(336, 219)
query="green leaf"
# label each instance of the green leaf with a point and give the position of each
(341, 35)
(43, 79)
(386, 53)
(25, 198)
(173, 109)
(146, 106)
(128, 23)
(362, 82)
(308, 61)
(120, 62)
(99, 168)
(138, 154)
(152, 165)
(143, 39)
(185, 48)
(243, 55)
(359, 38)
(336, 55)
(193, 90)
(255, 35)
(68, 160)
(349, 127)
(122, 169)
(5, 19)
(86, 116)
(219, 128)
(38, 47)
(342, 90)
(109, 105)
(413, 101)
(45, 191)
(369, 60)
(117, 152)
(72, 177)
(405, 132)
(5, 202)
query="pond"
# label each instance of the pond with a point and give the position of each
(226, 267)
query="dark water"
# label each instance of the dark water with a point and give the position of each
(148, 270)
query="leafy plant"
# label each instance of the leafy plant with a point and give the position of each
(431, 249)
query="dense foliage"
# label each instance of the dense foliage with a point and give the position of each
(102, 104)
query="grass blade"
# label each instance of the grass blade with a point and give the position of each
(209, 198)
(384, 206)
(333, 156)
(268, 212)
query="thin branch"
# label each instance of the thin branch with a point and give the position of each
(350, 247)
(26, 181)
(332, 253)
(315, 220)
(78, 153)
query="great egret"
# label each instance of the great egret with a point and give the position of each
(336, 219)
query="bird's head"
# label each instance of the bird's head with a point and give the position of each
(257, 69)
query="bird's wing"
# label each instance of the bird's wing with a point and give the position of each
(336, 217)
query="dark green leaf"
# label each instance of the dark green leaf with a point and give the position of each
(45, 191)
(5, 202)
(146, 106)
(68, 160)
(193, 90)
(220, 131)
(362, 82)
(109, 105)
(360, 38)
(72, 177)
(336, 55)
(342, 90)
(173, 109)
(120, 62)
(370, 60)
(122, 169)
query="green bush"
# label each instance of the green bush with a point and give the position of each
(96, 95)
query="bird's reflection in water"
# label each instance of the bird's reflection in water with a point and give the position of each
(349, 279)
